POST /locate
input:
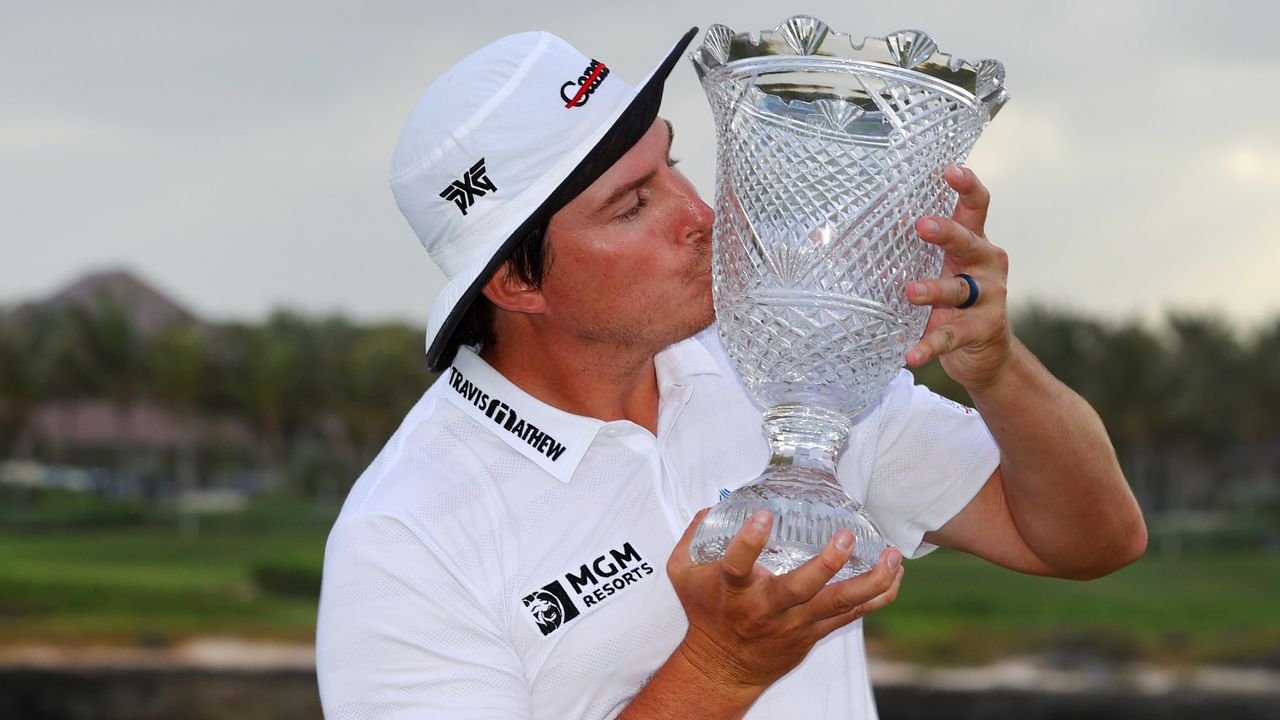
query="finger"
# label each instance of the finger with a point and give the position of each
(947, 292)
(937, 341)
(842, 599)
(830, 625)
(805, 581)
(965, 246)
(974, 200)
(744, 548)
(680, 556)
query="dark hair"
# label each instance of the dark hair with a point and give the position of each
(528, 263)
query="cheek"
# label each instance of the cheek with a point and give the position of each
(589, 281)
(616, 265)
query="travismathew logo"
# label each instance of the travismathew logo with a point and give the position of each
(592, 584)
(474, 183)
(505, 416)
(587, 83)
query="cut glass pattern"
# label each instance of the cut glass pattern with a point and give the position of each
(828, 151)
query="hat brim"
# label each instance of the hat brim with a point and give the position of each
(631, 123)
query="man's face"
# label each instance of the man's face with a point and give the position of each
(630, 258)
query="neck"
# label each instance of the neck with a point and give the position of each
(592, 379)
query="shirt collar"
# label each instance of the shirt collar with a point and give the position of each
(553, 439)
(683, 360)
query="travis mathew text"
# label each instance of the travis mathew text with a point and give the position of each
(505, 416)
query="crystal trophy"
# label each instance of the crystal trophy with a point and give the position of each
(827, 151)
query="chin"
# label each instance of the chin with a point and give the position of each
(703, 324)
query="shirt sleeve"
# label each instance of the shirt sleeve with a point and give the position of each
(400, 635)
(916, 459)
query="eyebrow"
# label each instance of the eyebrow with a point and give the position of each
(630, 187)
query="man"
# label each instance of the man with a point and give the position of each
(520, 547)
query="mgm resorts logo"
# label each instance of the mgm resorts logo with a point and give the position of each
(592, 584)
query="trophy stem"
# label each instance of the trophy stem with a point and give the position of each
(800, 488)
(807, 437)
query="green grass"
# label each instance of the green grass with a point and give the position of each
(138, 577)
(154, 581)
(1197, 608)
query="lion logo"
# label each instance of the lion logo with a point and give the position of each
(550, 607)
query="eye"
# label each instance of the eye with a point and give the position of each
(642, 199)
(672, 162)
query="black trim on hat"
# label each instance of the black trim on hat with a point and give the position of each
(627, 130)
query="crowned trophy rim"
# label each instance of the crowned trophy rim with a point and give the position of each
(756, 66)
(907, 54)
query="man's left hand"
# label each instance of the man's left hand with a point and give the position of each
(973, 344)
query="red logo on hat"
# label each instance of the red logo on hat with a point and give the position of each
(591, 78)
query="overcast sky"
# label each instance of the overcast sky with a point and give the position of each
(235, 152)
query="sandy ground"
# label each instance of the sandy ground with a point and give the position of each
(1033, 674)
(1025, 673)
(206, 653)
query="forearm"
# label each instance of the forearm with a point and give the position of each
(1062, 483)
(680, 689)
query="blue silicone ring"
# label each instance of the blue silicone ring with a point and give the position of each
(973, 291)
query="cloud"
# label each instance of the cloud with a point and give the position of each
(1021, 141)
(237, 151)
(1252, 161)
(29, 136)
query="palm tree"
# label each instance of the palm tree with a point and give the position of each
(177, 359)
(98, 353)
(1204, 403)
(1134, 386)
(22, 384)
(388, 375)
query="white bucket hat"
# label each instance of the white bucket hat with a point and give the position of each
(498, 144)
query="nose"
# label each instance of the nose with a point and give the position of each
(704, 215)
(699, 215)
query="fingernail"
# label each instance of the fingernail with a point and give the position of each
(760, 519)
(929, 226)
(955, 172)
(915, 289)
(844, 540)
(913, 356)
(894, 560)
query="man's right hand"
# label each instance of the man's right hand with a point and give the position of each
(748, 627)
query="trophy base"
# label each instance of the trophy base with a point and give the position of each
(808, 508)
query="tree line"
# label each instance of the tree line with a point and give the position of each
(1192, 403)
(318, 396)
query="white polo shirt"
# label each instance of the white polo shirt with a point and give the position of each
(502, 558)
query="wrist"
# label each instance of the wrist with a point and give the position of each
(1004, 376)
(688, 686)
(716, 670)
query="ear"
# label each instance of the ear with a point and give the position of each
(508, 292)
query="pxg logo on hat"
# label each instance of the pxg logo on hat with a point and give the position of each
(587, 83)
(551, 607)
(474, 183)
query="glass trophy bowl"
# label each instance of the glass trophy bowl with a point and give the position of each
(827, 152)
